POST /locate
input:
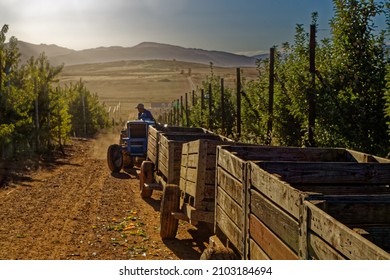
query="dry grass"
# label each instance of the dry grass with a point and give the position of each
(155, 83)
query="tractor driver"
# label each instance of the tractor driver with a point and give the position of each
(144, 114)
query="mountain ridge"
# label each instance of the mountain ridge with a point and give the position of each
(143, 51)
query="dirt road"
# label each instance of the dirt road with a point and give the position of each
(74, 208)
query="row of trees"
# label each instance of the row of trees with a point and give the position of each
(36, 113)
(352, 101)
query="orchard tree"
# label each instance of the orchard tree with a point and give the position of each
(358, 76)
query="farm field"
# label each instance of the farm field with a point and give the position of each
(155, 83)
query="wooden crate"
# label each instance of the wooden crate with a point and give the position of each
(170, 150)
(154, 137)
(233, 195)
(318, 210)
(197, 179)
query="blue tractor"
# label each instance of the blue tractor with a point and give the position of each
(133, 144)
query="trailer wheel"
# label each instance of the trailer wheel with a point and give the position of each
(115, 158)
(218, 253)
(146, 176)
(169, 203)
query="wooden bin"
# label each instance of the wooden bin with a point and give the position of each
(154, 137)
(233, 196)
(197, 179)
(323, 210)
(170, 152)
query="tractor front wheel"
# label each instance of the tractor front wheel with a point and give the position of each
(115, 158)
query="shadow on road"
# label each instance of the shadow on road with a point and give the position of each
(120, 175)
(190, 249)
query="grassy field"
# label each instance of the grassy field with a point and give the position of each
(122, 85)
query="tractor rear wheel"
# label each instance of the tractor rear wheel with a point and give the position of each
(115, 158)
(170, 202)
(146, 176)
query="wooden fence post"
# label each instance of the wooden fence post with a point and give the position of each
(223, 106)
(187, 113)
(202, 105)
(181, 111)
(210, 107)
(271, 95)
(239, 102)
(312, 92)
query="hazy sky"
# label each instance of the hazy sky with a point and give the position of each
(225, 25)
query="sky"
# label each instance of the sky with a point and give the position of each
(238, 26)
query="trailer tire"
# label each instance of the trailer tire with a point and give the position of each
(169, 203)
(218, 253)
(115, 158)
(146, 176)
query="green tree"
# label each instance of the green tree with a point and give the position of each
(358, 76)
(88, 115)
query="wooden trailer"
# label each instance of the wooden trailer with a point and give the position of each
(267, 207)
(150, 167)
(162, 171)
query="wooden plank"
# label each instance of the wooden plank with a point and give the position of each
(363, 157)
(318, 249)
(277, 191)
(275, 218)
(202, 174)
(232, 209)
(194, 215)
(172, 177)
(193, 175)
(255, 252)
(329, 173)
(277, 153)
(229, 229)
(274, 247)
(341, 238)
(230, 185)
(230, 163)
(192, 160)
(338, 189)
(188, 173)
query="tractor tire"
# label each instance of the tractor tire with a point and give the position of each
(218, 253)
(146, 176)
(115, 158)
(170, 202)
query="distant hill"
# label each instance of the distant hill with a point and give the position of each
(144, 51)
(28, 50)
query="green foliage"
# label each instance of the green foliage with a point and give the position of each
(357, 76)
(352, 86)
(88, 115)
(201, 114)
(35, 112)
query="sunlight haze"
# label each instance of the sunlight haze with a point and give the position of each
(244, 27)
